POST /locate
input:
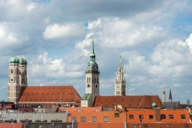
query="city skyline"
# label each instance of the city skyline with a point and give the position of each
(153, 38)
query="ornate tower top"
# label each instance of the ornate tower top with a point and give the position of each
(92, 63)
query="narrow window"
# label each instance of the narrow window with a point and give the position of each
(182, 116)
(96, 86)
(83, 119)
(163, 116)
(116, 115)
(94, 119)
(131, 116)
(141, 117)
(150, 116)
(170, 116)
(11, 71)
(106, 119)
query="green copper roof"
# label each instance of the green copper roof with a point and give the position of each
(14, 59)
(92, 63)
(86, 97)
(22, 61)
(154, 104)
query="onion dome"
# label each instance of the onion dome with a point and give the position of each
(14, 59)
(22, 61)
(92, 63)
(154, 105)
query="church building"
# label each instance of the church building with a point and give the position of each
(20, 93)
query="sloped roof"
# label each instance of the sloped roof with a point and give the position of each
(127, 101)
(48, 94)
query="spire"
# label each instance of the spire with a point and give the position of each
(92, 47)
(170, 96)
(120, 62)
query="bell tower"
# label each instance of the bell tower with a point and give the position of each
(91, 80)
(13, 80)
(17, 78)
(120, 81)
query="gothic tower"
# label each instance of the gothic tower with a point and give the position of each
(170, 96)
(120, 81)
(163, 95)
(92, 80)
(16, 68)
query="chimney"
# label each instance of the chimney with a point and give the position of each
(157, 114)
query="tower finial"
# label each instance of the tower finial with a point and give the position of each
(92, 48)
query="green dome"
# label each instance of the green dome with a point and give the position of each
(14, 59)
(92, 64)
(22, 61)
(154, 105)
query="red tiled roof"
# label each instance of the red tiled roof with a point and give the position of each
(49, 94)
(127, 101)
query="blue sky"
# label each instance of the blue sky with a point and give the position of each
(154, 39)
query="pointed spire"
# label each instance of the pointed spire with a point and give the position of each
(92, 47)
(120, 62)
(170, 96)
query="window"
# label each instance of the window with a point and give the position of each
(94, 119)
(150, 116)
(141, 117)
(170, 116)
(11, 71)
(106, 118)
(88, 85)
(96, 86)
(131, 116)
(163, 116)
(117, 92)
(182, 116)
(116, 115)
(83, 119)
(11, 79)
(73, 118)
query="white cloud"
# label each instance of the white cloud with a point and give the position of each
(43, 66)
(119, 33)
(63, 31)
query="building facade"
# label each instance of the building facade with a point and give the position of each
(120, 81)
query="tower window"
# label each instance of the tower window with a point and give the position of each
(11, 79)
(11, 71)
(96, 86)
(88, 85)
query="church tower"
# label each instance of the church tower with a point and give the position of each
(163, 95)
(120, 81)
(92, 80)
(170, 96)
(16, 69)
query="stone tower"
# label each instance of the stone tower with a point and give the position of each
(170, 96)
(163, 95)
(92, 80)
(120, 81)
(15, 80)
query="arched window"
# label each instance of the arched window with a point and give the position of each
(11, 71)
(96, 86)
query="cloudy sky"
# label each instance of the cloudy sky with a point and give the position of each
(153, 37)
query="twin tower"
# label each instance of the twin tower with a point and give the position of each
(17, 77)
